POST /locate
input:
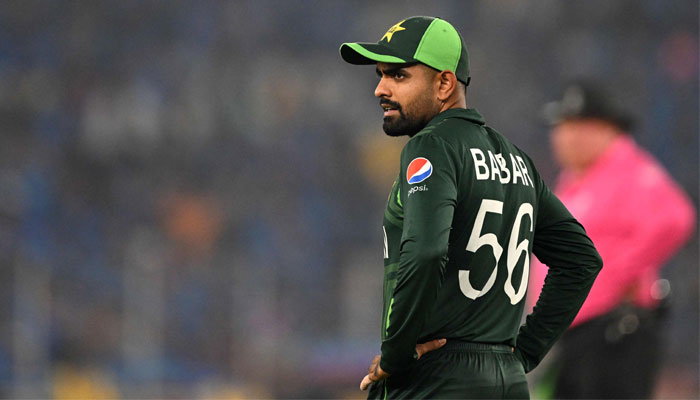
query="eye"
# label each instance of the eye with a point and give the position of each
(399, 75)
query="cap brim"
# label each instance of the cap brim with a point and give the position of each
(370, 53)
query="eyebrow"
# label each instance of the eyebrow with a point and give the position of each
(393, 69)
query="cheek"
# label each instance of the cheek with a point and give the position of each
(566, 147)
(419, 101)
(560, 142)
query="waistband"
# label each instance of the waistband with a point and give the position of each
(461, 345)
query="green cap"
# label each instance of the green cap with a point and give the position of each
(431, 41)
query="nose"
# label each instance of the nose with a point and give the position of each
(382, 90)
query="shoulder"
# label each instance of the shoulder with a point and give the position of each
(453, 133)
(428, 146)
(451, 129)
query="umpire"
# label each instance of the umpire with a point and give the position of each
(638, 217)
(463, 219)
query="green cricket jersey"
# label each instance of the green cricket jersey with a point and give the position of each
(462, 222)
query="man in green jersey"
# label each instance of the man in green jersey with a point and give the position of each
(463, 218)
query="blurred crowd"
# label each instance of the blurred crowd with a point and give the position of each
(191, 192)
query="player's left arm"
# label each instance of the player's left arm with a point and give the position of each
(429, 197)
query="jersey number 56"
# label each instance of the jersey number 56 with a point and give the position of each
(515, 250)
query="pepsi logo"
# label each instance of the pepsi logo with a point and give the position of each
(418, 170)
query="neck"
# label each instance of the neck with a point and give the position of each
(454, 102)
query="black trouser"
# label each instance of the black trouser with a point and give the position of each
(613, 356)
(458, 370)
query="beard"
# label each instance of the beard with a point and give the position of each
(411, 119)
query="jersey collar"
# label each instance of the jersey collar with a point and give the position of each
(470, 114)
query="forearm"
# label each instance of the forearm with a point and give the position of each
(420, 278)
(573, 265)
(555, 311)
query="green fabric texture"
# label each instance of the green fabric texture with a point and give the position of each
(440, 46)
(449, 228)
(431, 41)
(454, 374)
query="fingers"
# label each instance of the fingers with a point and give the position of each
(375, 373)
(371, 373)
(427, 347)
(373, 366)
(365, 383)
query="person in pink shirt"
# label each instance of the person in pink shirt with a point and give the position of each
(638, 217)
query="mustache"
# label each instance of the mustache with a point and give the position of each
(394, 104)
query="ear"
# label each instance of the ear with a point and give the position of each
(447, 84)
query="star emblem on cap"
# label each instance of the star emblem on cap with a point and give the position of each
(390, 33)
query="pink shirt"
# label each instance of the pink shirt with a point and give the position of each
(637, 217)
